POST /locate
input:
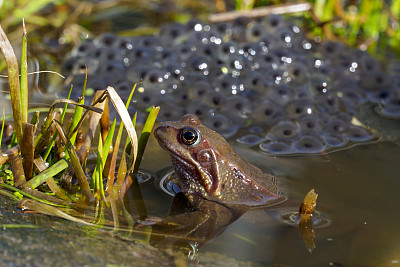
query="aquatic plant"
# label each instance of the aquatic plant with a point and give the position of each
(55, 157)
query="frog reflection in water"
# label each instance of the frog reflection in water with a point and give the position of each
(218, 185)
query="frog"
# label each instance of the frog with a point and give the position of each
(217, 186)
(207, 167)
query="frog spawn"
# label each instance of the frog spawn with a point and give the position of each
(260, 82)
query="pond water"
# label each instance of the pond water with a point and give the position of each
(358, 192)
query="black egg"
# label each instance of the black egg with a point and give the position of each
(309, 144)
(336, 126)
(310, 123)
(300, 107)
(284, 130)
(106, 40)
(267, 113)
(357, 134)
(221, 124)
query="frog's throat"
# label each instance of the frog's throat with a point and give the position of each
(206, 180)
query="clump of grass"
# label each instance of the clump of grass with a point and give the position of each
(49, 157)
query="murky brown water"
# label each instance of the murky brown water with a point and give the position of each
(358, 191)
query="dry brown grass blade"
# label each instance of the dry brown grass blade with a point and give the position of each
(260, 12)
(5, 155)
(80, 138)
(28, 149)
(94, 119)
(49, 210)
(17, 170)
(123, 113)
(105, 125)
(13, 82)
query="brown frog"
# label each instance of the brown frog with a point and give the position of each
(217, 185)
(208, 167)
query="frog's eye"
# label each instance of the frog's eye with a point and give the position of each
(190, 136)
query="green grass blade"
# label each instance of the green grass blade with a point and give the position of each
(13, 82)
(54, 169)
(24, 76)
(12, 188)
(144, 136)
(78, 113)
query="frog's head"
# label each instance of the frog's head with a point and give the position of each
(208, 166)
